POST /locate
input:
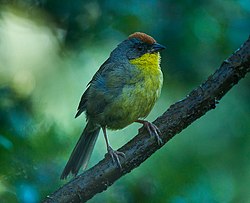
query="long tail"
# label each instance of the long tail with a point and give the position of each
(82, 151)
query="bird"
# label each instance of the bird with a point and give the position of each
(123, 91)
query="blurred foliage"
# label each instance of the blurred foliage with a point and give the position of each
(49, 50)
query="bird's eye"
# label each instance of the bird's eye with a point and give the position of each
(139, 47)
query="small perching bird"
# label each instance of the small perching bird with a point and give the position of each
(122, 91)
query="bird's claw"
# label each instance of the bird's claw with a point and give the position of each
(115, 156)
(153, 131)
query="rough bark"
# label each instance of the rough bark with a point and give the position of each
(180, 115)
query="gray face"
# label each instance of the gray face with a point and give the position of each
(138, 48)
(135, 48)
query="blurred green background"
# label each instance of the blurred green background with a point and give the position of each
(49, 50)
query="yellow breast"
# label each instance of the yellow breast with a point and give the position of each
(149, 66)
(148, 90)
(138, 97)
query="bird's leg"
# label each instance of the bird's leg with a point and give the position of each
(152, 129)
(113, 153)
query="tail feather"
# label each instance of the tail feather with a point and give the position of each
(82, 151)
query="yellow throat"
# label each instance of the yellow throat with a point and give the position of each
(148, 63)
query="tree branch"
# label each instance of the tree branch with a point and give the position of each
(174, 120)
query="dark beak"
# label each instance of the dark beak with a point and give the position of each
(156, 48)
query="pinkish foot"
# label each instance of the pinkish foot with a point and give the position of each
(115, 156)
(152, 129)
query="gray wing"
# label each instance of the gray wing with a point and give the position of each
(106, 84)
(83, 102)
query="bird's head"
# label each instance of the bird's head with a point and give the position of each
(138, 48)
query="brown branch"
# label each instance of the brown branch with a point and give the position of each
(174, 120)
